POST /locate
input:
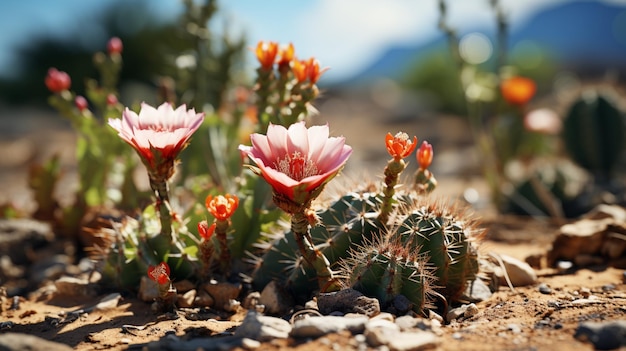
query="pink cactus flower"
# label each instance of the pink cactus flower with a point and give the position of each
(158, 134)
(57, 81)
(297, 162)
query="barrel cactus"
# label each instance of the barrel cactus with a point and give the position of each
(594, 131)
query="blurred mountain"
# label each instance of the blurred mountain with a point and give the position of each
(583, 36)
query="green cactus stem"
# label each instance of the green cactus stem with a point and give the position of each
(392, 172)
(594, 134)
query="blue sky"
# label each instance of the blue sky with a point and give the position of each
(345, 35)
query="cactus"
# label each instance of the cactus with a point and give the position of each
(446, 237)
(389, 269)
(594, 132)
(348, 221)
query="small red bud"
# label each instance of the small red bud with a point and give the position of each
(111, 100)
(57, 81)
(81, 103)
(115, 46)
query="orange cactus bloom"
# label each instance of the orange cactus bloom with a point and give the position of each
(307, 69)
(518, 90)
(425, 155)
(159, 273)
(400, 146)
(266, 53)
(205, 230)
(286, 54)
(222, 207)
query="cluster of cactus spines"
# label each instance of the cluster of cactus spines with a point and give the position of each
(446, 237)
(594, 133)
(388, 269)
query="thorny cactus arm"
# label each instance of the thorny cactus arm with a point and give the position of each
(399, 147)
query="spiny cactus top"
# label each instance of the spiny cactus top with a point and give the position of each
(297, 161)
(158, 134)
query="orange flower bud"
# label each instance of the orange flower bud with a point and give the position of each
(222, 207)
(518, 90)
(425, 155)
(400, 146)
(159, 273)
(286, 54)
(266, 53)
(205, 230)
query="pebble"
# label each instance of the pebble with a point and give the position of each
(477, 291)
(251, 300)
(544, 289)
(402, 304)
(263, 328)
(464, 311)
(203, 299)
(314, 327)
(276, 300)
(108, 302)
(70, 286)
(346, 301)
(603, 335)
(187, 299)
(383, 333)
(148, 290)
(520, 273)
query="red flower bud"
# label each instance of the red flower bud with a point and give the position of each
(81, 103)
(115, 46)
(57, 81)
(205, 230)
(111, 100)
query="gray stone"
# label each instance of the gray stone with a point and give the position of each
(263, 328)
(314, 327)
(108, 302)
(20, 342)
(464, 311)
(276, 300)
(477, 291)
(348, 301)
(603, 335)
(148, 290)
(379, 332)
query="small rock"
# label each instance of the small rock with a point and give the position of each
(222, 292)
(544, 289)
(470, 311)
(380, 332)
(314, 327)
(148, 290)
(203, 299)
(346, 301)
(108, 302)
(413, 341)
(252, 300)
(232, 305)
(456, 313)
(183, 286)
(520, 273)
(384, 315)
(402, 304)
(263, 328)
(187, 299)
(275, 299)
(70, 286)
(477, 291)
(18, 342)
(603, 335)
(406, 322)
(250, 344)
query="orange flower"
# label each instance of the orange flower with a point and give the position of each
(266, 53)
(286, 54)
(518, 90)
(205, 230)
(400, 146)
(307, 69)
(222, 207)
(425, 155)
(159, 273)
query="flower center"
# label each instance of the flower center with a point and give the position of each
(296, 166)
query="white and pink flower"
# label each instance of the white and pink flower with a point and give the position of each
(297, 162)
(158, 134)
